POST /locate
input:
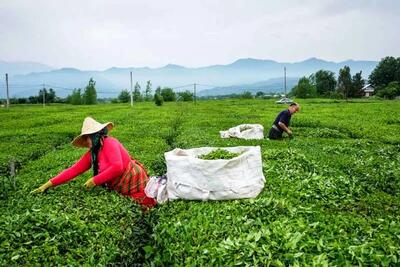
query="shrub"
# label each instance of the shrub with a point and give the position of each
(390, 91)
(158, 99)
(168, 94)
(185, 96)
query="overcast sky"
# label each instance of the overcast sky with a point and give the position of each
(100, 34)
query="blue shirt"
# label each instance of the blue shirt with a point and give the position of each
(284, 117)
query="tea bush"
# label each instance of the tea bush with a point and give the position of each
(219, 154)
(331, 195)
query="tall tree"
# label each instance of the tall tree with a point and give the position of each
(168, 94)
(388, 70)
(357, 84)
(246, 95)
(90, 94)
(324, 81)
(260, 94)
(51, 96)
(390, 91)
(344, 81)
(397, 73)
(33, 99)
(75, 98)
(137, 96)
(124, 96)
(40, 96)
(148, 91)
(304, 89)
(158, 99)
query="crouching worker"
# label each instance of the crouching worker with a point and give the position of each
(282, 121)
(112, 166)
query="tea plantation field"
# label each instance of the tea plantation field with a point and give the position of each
(331, 197)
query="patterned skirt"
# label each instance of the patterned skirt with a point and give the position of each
(132, 183)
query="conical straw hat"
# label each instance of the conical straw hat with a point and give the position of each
(90, 126)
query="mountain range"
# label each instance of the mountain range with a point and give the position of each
(26, 78)
(23, 67)
(273, 85)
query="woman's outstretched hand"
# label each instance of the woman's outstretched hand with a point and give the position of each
(90, 183)
(42, 188)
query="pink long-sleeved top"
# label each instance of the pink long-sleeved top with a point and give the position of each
(113, 158)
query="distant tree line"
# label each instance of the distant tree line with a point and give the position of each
(244, 95)
(77, 97)
(49, 97)
(385, 78)
(160, 96)
(88, 96)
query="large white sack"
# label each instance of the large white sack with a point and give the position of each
(244, 131)
(192, 178)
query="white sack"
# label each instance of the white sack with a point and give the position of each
(162, 195)
(157, 188)
(151, 188)
(244, 131)
(192, 178)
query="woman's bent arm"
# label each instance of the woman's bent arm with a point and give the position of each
(78, 168)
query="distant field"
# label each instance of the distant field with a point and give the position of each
(331, 195)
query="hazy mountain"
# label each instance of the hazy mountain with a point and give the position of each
(111, 81)
(14, 68)
(269, 86)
